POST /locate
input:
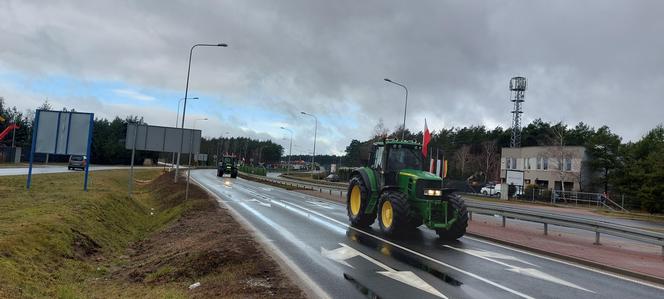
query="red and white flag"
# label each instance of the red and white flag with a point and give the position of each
(426, 137)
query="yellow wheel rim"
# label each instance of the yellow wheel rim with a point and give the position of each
(386, 214)
(355, 200)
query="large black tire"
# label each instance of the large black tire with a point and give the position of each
(403, 218)
(359, 218)
(458, 229)
(220, 173)
(233, 174)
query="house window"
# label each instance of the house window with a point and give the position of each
(507, 162)
(514, 163)
(539, 163)
(568, 164)
(526, 162)
(545, 163)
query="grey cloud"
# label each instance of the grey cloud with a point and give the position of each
(594, 61)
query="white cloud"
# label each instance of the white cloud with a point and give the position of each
(133, 94)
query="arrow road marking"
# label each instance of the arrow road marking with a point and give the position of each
(486, 255)
(341, 254)
(490, 254)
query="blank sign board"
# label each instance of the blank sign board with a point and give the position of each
(62, 132)
(514, 177)
(162, 139)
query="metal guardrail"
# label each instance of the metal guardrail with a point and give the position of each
(599, 227)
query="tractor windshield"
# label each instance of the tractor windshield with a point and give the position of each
(403, 157)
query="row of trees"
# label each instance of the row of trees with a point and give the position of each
(251, 151)
(632, 169)
(108, 141)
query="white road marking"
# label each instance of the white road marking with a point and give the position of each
(261, 203)
(320, 204)
(491, 254)
(629, 279)
(525, 271)
(345, 252)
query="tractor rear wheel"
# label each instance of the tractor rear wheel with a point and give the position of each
(234, 175)
(395, 214)
(458, 229)
(357, 199)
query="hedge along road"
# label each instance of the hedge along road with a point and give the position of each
(334, 260)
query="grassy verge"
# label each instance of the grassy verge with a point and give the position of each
(59, 241)
(49, 234)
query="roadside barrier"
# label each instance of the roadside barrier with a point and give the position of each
(599, 227)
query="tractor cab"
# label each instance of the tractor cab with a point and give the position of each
(390, 157)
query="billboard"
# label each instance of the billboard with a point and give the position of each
(162, 139)
(514, 177)
(62, 132)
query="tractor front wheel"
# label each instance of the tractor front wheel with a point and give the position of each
(395, 214)
(357, 199)
(458, 208)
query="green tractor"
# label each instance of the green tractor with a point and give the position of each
(395, 188)
(228, 164)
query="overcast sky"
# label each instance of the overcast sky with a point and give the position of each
(600, 62)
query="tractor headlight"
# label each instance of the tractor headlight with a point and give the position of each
(432, 192)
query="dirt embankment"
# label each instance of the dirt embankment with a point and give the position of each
(205, 245)
(57, 241)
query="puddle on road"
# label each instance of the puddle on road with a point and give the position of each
(397, 254)
(360, 287)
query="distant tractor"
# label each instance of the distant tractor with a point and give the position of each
(228, 165)
(395, 188)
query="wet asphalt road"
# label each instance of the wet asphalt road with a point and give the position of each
(343, 262)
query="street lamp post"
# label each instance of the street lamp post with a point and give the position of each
(191, 149)
(177, 118)
(290, 148)
(403, 130)
(184, 108)
(315, 132)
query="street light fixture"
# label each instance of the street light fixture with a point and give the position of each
(290, 149)
(403, 130)
(191, 149)
(315, 133)
(186, 91)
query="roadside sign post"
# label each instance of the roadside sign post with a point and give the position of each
(131, 167)
(160, 139)
(62, 133)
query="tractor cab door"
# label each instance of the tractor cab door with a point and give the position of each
(378, 164)
(392, 166)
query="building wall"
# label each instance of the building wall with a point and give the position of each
(533, 161)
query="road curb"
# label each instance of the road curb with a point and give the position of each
(585, 262)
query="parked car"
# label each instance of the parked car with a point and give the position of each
(491, 190)
(332, 178)
(77, 161)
